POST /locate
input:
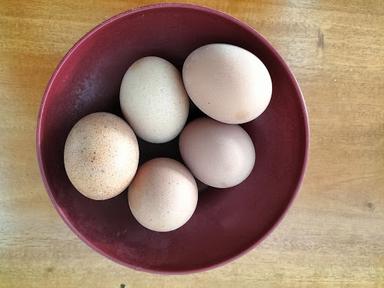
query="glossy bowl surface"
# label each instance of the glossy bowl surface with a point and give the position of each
(227, 222)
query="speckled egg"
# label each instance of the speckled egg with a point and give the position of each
(101, 155)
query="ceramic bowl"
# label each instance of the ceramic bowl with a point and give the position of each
(227, 222)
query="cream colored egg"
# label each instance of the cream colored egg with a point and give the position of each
(219, 155)
(101, 155)
(163, 195)
(153, 99)
(228, 83)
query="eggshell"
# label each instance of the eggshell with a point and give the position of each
(228, 83)
(218, 154)
(101, 155)
(153, 99)
(163, 195)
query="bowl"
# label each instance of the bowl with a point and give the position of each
(227, 222)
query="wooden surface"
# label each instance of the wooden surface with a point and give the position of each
(334, 234)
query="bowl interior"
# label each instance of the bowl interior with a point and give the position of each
(227, 221)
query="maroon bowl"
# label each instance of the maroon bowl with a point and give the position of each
(227, 222)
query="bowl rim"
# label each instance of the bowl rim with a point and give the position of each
(198, 8)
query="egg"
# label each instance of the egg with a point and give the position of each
(163, 195)
(219, 155)
(153, 99)
(228, 83)
(101, 155)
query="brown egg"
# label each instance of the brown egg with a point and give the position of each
(101, 155)
(163, 195)
(219, 155)
(228, 83)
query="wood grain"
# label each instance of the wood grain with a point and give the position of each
(334, 234)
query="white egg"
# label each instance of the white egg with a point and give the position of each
(228, 83)
(153, 99)
(101, 155)
(219, 155)
(163, 195)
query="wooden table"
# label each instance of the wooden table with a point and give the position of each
(334, 234)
